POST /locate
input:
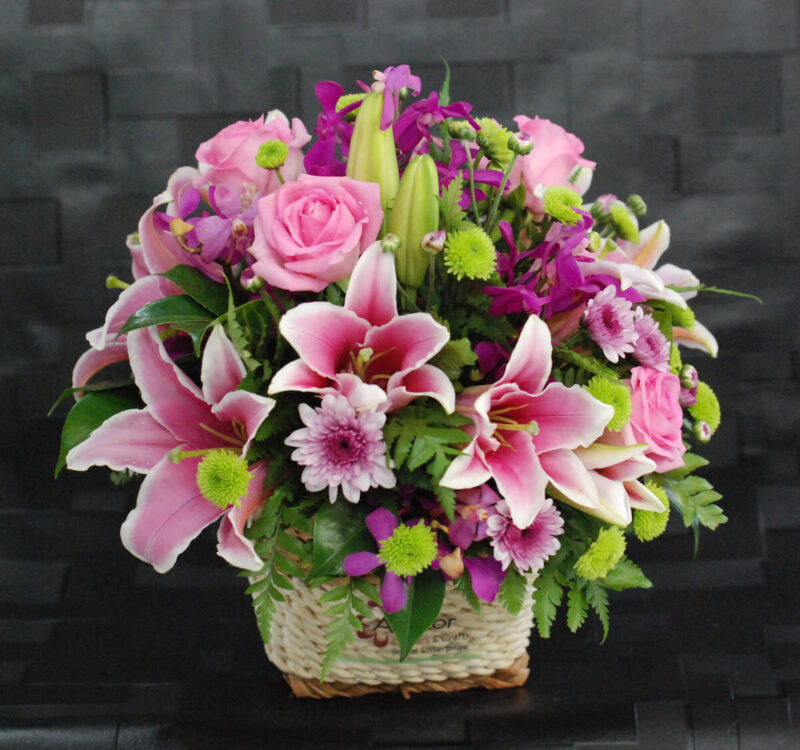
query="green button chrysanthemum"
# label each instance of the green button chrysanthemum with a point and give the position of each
(706, 409)
(603, 554)
(614, 394)
(223, 478)
(649, 524)
(559, 203)
(409, 550)
(470, 253)
(624, 223)
(493, 139)
(272, 154)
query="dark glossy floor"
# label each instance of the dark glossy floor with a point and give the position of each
(97, 651)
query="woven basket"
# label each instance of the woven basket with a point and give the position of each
(461, 650)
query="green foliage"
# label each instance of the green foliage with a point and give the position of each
(89, 413)
(597, 597)
(425, 597)
(348, 603)
(464, 585)
(454, 357)
(452, 213)
(180, 311)
(339, 531)
(577, 607)
(584, 362)
(546, 600)
(626, 574)
(512, 590)
(695, 499)
(210, 294)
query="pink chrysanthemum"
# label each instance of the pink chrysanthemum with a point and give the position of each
(527, 548)
(652, 347)
(610, 322)
(341, 448)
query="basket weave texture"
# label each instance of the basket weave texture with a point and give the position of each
(462, 649)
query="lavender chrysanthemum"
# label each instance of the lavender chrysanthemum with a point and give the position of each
(610, 322)
(341, 448)
(527, 548)
(652, 347)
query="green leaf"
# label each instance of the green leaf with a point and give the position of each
(425, 597)
(454, 357)
(210, 294)
(577, 607)
(626, 574)
(339, 530)
(597, 597)
(546, 599)
(89, 413)
(452, 213)
(512, 590)
(178, 310)
(585, 362)
(464, 585)
(691, 462)
(447, 499)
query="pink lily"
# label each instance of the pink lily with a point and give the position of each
(107, 345)
(364, 349)
(636, 266)
(615, 464)
(524, 431)
(179, 417)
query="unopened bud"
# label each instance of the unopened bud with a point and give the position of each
(636, 204)
(391, 243)
(433, 242)
(521, 143)
(461, 130)
(595, 241)
(688, 376)
(702, 431)
(599, 214)
(452, 564)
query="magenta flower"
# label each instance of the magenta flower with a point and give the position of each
(341, 447)
(394, 588)
(530, 547)
(365, 350)
(391, 82)
(609, 320)
(179, 417)
(652, 347)
(524, 431)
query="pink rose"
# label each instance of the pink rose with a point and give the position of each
(229, 158)
(656, 416)
(310, 232)
(555, 157)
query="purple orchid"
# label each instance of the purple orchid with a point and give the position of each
(394, 588)
(391, 82)
(365, 350)
(415, 123)
(179, 417)
(333, 128)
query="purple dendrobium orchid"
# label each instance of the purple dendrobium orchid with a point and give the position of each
(391, 82)
(365, 350)
(415, 123)
(333, 128)
(394, 588)
(520, 419)
(181, 417)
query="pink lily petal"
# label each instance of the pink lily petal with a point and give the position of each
(130, 439)
(171, 396)
(394, 593)
(530, 362)
(222, 369)
(404, 343)
(642, 498)
(245, 408)
(381, 523)
(233, 545)
(570, 478)
(323, 335)
(673, 275)
(361, 395)
(614, 505)
(602, 455)
(361, 563)
(425, 380)
(519, 476)
(170, 512)
(298, 376)
(138, 294)
(467, 470)
(697, 337)
(653, 242)
(568, 417)
(92, 361)
(372, 289)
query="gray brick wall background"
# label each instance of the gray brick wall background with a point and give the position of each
(693, 103)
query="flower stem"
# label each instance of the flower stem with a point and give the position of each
(490, 219)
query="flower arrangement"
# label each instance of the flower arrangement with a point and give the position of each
(410, 357)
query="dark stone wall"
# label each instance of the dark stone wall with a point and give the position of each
(693, 103)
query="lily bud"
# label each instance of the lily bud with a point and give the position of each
(372, 155)
(433, 242)
(414, 215)
(521, 143)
